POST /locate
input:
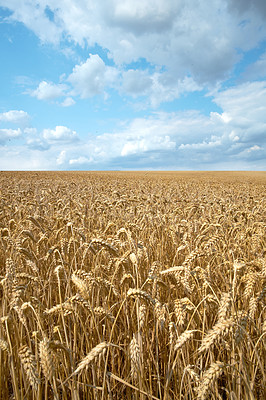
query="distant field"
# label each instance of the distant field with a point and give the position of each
(132, 285)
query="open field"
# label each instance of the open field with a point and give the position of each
(132, 285)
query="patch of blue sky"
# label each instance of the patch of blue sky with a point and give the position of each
(49, 14)
(143, 65)
(79, 53)
(200, 101)
(4, 13)
(24, 55)
(94, 116)
(248, 58)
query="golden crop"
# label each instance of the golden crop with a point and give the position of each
(132, 285)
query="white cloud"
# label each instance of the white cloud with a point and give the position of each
(33, 14)
(17, 158)
(248, 97)
(94, 77)
(254, 154)
(158, 87)
(60, 134)
(37, 144)
(48, 91)
(233, 136)
(155, 143)
(191, 139)
(166, 88)
(90, 78)
(141, 16)
(136, 82)
(17, 117)
(244, 110)
(61, 159)
(254, 148)
(68, 102)
(31, 131)
(34, 141)
(201, 146)
(232, 139)
(80, 161)
(8, 134)
(195, 38)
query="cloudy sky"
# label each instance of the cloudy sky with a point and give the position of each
(133, 84)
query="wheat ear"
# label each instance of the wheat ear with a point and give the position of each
(29, 364)
(46, 359)
(134, 356)
(182, 339)
(208, 379)
(93, 355)
(220, 329)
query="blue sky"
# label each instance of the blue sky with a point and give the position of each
(133, 84)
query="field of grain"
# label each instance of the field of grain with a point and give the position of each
(132, 285)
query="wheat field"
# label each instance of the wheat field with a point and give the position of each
(132, 285)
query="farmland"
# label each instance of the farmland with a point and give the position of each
(132, 285)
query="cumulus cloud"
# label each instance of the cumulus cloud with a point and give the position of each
(68, 102)
(80, 161)
(201, 146)
(48, 91)
(167, 88)
(255, 154)
(158, 87)
(17, 117)
(50, 139)
(17, 158)
(196, 38)
(254, 148)
(94, 77)
(90, 78)
(244, 110)
(34, 15)
(190, 139)
(37, 144)
(60, 134)
(233, 138)
(61, 159)
(136, 82)
(147, 144)
(141, 16)
(8, 134)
